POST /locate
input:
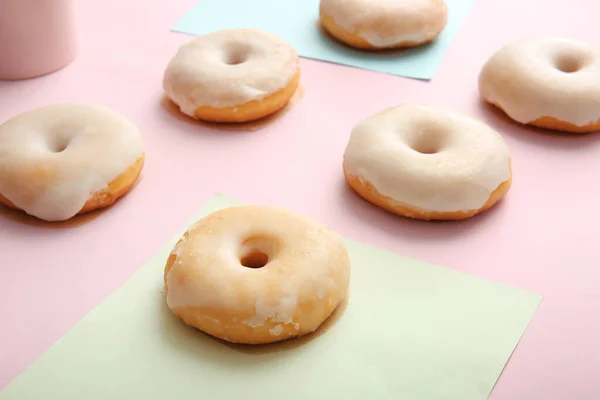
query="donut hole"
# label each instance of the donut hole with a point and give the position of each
(257, 250)
(59, 145)
(426, 146)
(255, 259)
(429, 140)
(59, 148)
(569, 63)
(236, 55)
(235, 59)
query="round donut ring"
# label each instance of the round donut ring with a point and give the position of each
(256, 274)
(237, 75)
(381, 24)
(427, 162)
(548, 82)
(66, 159)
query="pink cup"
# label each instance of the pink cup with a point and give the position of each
(37, 37)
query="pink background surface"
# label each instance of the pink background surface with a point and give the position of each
(541, 238)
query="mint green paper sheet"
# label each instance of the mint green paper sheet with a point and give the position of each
(411, 331)
(296, 21)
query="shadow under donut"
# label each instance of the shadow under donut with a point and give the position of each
(408, 228)
(251, 126)
(21, 217)
(330, 41)
(533, 134)
(293, 343)
(196, 341)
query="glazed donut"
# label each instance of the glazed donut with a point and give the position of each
(427, 162)
(383, 24)
(237, 75)
(66, 159)
(548, 82)
(256, 274)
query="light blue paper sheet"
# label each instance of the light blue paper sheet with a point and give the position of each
(296, 21)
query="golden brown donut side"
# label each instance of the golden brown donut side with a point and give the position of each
(369, 193)
(252, 110)
(354, 39)
(556, 124)
(116, 189)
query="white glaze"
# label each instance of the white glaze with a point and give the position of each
(385, 23)
(54, 186)
(200, 74)
(470, 162)
(282, 312)
(276, 331)
(523, 78)
(376, 39)
(307, 262)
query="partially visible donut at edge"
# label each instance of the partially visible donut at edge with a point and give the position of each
(232, 76)
(381, 24)
(61, 160)
(548, 82)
